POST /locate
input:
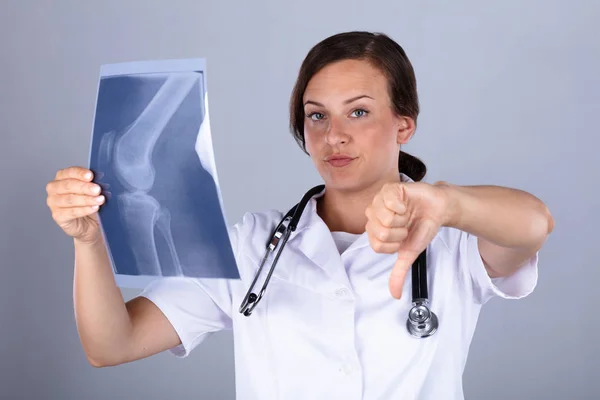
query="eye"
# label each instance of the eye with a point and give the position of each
(315, 116)
(359, 113)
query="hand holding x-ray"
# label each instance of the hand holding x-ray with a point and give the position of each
(74, 200)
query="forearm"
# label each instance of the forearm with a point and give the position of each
(103, 322)
(513, 222)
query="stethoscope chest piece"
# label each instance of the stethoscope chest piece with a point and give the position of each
(421, 322)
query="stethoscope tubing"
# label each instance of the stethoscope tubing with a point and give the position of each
(421, 321)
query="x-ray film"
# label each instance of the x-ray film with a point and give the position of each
(152, 154)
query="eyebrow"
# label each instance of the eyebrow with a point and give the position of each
(345, 102)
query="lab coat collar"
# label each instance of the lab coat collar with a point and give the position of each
(313, 238)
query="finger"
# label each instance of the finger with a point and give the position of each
(80, 173)
(393, 198)
(74, 200)
(417, 240)
(62, 215)
(387, 217)
(378, 232)
(383, 247)
(74, 186)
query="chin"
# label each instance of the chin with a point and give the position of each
(346, 183)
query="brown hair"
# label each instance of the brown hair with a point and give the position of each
(385, 54)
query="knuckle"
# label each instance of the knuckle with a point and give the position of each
(383, 235)
(73, 213)
(78, 187)
(69, 200)
(388, 220)
(389, 202)
(378, 246)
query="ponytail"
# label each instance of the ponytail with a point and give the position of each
(411, 166)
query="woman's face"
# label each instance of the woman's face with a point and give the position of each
(351, 131)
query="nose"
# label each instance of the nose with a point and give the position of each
(336, 133)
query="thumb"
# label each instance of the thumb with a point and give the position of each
(415, 243)
(399, 272)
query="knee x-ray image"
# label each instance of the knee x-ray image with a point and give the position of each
(151, 152)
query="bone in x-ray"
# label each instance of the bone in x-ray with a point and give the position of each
(152, 154)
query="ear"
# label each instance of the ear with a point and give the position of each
(405, 129)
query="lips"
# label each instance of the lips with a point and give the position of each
(339, 160)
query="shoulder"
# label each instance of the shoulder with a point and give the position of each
(253, 227)
(263, 220)
(249, 237)
(255, 222)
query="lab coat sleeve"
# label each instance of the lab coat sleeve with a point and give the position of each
(195, 308)
(517, 286)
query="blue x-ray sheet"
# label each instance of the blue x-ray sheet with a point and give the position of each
(151, 152)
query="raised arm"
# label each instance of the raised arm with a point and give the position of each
(111, 331)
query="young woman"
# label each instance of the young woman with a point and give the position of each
(332, 324)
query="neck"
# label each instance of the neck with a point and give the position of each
(344, 210)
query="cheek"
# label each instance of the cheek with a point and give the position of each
(375, 134)
(311, 140)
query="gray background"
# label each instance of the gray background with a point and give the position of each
(509, 95)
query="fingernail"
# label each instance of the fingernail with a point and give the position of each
(88, 175)
(96, 189)
(95, 207)
(99, 199)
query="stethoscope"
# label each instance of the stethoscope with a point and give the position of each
(421, 321)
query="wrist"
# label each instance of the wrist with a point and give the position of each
(94, 241)
(452, 210)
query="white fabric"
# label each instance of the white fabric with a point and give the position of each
(327, 327)
(343, 240)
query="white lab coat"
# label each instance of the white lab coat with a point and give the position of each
(328, 327)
